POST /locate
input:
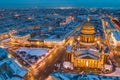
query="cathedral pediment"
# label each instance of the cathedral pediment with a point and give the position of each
(88, 56)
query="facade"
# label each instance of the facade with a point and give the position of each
(84, 54)
(7, 35)
(51, 43)
(89, 59)
(19, 38)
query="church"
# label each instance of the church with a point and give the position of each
(88, 53)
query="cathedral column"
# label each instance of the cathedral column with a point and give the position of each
(84, 39)
(90, 39)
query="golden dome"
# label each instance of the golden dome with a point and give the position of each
(87, 36)
(88, 28)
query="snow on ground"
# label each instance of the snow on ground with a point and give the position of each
(34, 51)
(68, 65)
(31, 55)
(116, 73)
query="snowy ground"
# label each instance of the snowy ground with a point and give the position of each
(31, 55)
(116, 73)
(34, 51)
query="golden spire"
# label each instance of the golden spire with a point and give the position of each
(88, 19)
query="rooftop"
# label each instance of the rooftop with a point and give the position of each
(10, 70)
(88, 52)
(3, 53)
(116, 35)
(26, 32)
(90, 76)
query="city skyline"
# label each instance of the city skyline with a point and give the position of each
(59, 40)
(45, 42)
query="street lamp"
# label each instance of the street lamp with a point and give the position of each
(98, 42)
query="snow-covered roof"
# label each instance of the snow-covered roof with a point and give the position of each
(3, 53)
(90, 76)
(116, 35)
(111, 25)
(69, 48)
(15, 78)
(61, 38)
(13, 68)
(87, 54)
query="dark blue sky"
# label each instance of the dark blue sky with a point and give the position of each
(60, 3)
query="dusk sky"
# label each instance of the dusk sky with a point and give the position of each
(60, 3)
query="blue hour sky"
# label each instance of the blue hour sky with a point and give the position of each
(60, 3)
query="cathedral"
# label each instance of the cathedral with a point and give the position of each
(85, 55)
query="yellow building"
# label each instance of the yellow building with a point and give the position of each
(87, 57)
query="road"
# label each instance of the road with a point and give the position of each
(43, 69)
(107, 36)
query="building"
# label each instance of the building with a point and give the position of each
(3, 54)
(115, 38)
(88, 59)
(87, 53)
(7, 35)
(68, 20)
(9, 69)
(20, 38)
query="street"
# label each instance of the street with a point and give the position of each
(43, 69)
